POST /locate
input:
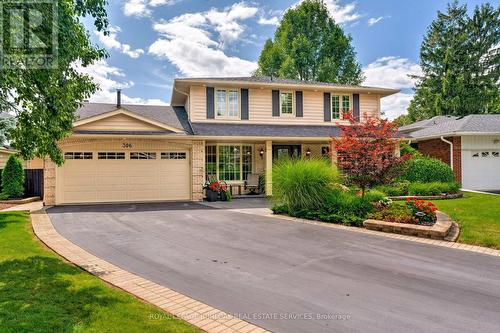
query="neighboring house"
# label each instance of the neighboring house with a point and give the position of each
(470, 144)
(5, 152)
(216, 128)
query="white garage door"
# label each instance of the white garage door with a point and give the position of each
(481, 169)
(117, 176)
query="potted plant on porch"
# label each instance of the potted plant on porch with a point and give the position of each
(214, 188)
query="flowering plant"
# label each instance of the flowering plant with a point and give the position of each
(216, 185)
(423, 211)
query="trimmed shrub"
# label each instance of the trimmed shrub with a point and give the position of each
(303, 183)
(426, 170)
(434, 188)
(12, 179)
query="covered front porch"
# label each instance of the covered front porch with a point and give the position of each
(246, 165)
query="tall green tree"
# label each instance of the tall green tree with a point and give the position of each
(45, 99)
(308, 45)
(460, 60)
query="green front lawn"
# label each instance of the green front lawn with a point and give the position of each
(478, 216)
(39, 292)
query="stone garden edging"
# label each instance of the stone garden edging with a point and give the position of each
(428, 197)
(439, 230)
(20, 201)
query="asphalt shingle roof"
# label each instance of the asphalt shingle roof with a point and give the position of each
(474, 123)
(168, 115)
(217, 129)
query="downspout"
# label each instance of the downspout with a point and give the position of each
(188, 114)
(451, 150)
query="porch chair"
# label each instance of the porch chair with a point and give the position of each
(252, 183)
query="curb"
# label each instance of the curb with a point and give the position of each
(198, 314)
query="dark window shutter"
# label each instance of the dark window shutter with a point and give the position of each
(327, 107)
(355, 107)
(244, 104)
(299, 104)
(276, 103)
(210, 103)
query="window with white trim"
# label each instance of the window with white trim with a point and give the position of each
(111, 155)
(286, 103)
(78, 155)
(228, 162)
(340, 104)
(227, 103)
(173, 156)
(142, 155)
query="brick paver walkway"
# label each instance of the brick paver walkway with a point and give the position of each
(201, 315)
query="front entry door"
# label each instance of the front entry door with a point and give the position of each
(290, 151)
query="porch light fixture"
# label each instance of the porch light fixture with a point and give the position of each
(308, 152)
(261, 152)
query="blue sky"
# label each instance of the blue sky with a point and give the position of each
(154, 41)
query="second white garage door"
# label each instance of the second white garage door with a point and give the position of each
(481, 169)
(121, 176)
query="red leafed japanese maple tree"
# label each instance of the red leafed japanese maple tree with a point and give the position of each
(366, 150)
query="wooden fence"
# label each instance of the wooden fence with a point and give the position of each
(33, 183)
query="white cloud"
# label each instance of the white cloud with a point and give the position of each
(137, 8)
(142, 8)
(269, 21)
(110, 78)
(395, 105)
(373, 20)
(111, 42)
(391, 72)
(342, 13)
(195, 59)
(156, 3)
(201, 54)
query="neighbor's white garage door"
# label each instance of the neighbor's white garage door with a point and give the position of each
(117, 176)
(481, 169)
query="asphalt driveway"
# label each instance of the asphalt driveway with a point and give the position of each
(292, 277)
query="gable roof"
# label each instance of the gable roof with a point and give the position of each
(468, 125)
(167, 115)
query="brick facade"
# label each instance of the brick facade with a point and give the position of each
(441, 150)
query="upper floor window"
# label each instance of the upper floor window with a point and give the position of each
(227, 104)
(340, 103)
(286, 103)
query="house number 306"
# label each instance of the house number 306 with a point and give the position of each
(127, 145)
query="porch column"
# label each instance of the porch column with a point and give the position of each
(197, 170)
(269, 168)
(333, 153)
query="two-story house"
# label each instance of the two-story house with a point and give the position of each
(224, 128)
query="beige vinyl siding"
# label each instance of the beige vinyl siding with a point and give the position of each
(198, 101)
(119, 122)
(369, 104)
(260, 107)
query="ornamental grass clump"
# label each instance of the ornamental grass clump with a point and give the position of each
(303, 183)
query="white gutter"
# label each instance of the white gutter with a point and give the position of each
(451, 150)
